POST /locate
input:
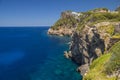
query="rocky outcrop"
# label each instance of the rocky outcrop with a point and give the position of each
(66, 24)
(89, 44)
(85, 47)
(92, 35)
(61, 32)
(117, 28)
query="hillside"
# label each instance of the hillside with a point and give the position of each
(66, 24)
(107, 67)
(95, 41)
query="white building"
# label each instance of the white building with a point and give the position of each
(76, 14)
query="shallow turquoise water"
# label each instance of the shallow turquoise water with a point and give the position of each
(30, 54)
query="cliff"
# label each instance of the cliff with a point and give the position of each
(93, 35)
(91, 43)
(66, 24)
(106, 67)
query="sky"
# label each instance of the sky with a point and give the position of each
(45, 12)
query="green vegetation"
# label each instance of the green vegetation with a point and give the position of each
(108, 63)
(114, 63)
(108, 29)
(65, 22)
(105, 65)
(116, 36)
(96, 69)
(100, 9)
(92, 18)
(89, 18)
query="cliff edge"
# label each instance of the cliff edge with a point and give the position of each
(94, 34)
(66, 24)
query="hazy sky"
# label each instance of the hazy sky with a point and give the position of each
(45, 12)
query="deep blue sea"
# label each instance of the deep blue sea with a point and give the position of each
(29, 53)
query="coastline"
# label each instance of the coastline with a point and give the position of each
(90, 41)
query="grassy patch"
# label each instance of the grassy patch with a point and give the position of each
(108, 29)
(91, 18)
(104, 65)
(116, 36)
(96, 69)
(114, 63)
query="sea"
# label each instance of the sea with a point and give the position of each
(29, 53)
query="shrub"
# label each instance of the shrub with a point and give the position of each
(65, 22)
(114, 63)
(108, 29)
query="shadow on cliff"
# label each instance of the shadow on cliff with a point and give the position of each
(85, 50)
(96, 46)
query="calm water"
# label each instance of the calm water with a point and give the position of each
(31, 54)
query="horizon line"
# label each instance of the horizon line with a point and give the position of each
(25, 26)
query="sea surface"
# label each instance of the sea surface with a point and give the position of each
(29, 53)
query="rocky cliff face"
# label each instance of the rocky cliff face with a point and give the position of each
(88, 45)
(92, 34)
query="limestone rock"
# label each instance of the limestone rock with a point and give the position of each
(89, 44)
(83, 69)
(61, 32)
